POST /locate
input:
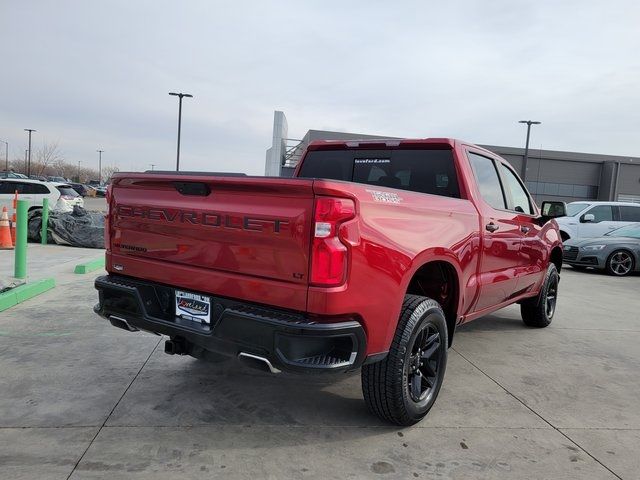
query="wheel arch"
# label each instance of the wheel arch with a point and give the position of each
(556, 257)
(439, 279)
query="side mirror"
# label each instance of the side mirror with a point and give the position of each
(554, 209)
(587, 218)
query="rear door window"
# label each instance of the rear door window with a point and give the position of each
(35, 188)
(488, 181)
(629, 214)
(425, 171)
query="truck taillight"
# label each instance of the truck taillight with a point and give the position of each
(329, 255)
(107, 220)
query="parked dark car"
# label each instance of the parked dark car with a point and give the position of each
(81, 189)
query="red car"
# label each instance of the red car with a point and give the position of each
(369, 258)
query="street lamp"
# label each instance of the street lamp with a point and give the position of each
(29, 160)
(152, 166)
(99, 166)
(179, 95)
(6, 155)
(523, 172)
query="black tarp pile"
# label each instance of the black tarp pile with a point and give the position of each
(78, 228)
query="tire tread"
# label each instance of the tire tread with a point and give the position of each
(382, 381)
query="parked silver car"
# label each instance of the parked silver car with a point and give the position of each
(617, 252)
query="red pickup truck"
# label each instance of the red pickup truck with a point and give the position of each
(369, 258)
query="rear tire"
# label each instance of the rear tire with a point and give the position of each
(538, 311)
(403, 387)
(620, 263)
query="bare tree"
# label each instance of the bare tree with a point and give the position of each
(48, 155)
(107, 171)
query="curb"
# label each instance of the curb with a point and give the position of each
(25, 292)
(87, 267)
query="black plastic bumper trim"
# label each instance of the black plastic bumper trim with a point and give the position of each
(235, 327)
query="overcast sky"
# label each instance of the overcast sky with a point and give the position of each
(97, 75)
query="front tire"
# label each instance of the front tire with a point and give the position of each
(403, 387)
(538, 311)
(620, 263)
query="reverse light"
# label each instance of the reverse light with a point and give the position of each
(329, 255)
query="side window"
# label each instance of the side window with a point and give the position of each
(11, 187)
(602, 213)
(35, 188)
(488, 181)
(629, 214)
(519, 196)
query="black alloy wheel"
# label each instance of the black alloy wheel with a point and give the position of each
(423, 365)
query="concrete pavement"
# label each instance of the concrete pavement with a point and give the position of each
(81, 399)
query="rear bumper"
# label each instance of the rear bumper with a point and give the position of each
(290, 341)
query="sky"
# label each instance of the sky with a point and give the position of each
(96, 75)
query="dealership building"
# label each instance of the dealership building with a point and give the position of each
(551, 175)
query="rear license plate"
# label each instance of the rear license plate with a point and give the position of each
(193, 306)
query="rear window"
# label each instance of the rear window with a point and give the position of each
(425, 171)
(68, 191)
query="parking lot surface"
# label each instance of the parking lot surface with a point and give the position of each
(81, 399)
(98, 204)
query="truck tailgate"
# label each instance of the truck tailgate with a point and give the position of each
(251, 227)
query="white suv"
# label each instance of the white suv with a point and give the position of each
(34, 191)
(594, 219)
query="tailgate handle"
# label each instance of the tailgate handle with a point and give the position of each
(199, 189)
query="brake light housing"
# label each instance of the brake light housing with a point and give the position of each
(107, 220)
(329, 253)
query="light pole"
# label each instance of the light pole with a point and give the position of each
(179, 95)
(29, 160)
(152, 166)
(6, 155)
(99, 166)
(523, 172)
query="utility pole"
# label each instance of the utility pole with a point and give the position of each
(99, 166)
(30, 130)
(179, 95)
(79, 172)
(523, 171)
(6, 155)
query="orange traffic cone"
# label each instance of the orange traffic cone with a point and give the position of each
(13, 229)
(5, 231)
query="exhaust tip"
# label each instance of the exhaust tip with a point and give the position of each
(175, 347)
(256, 361)
(121, 323)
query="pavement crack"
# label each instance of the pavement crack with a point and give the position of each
(524, 404)
(113, 410)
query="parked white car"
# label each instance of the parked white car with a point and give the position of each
(594, 219)
(69, 197)
(34, 191)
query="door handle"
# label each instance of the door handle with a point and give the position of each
(491, 227)
(524, 229)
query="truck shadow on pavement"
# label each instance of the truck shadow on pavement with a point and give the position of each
(180, 391)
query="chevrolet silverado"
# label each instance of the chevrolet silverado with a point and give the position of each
(369, 258)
